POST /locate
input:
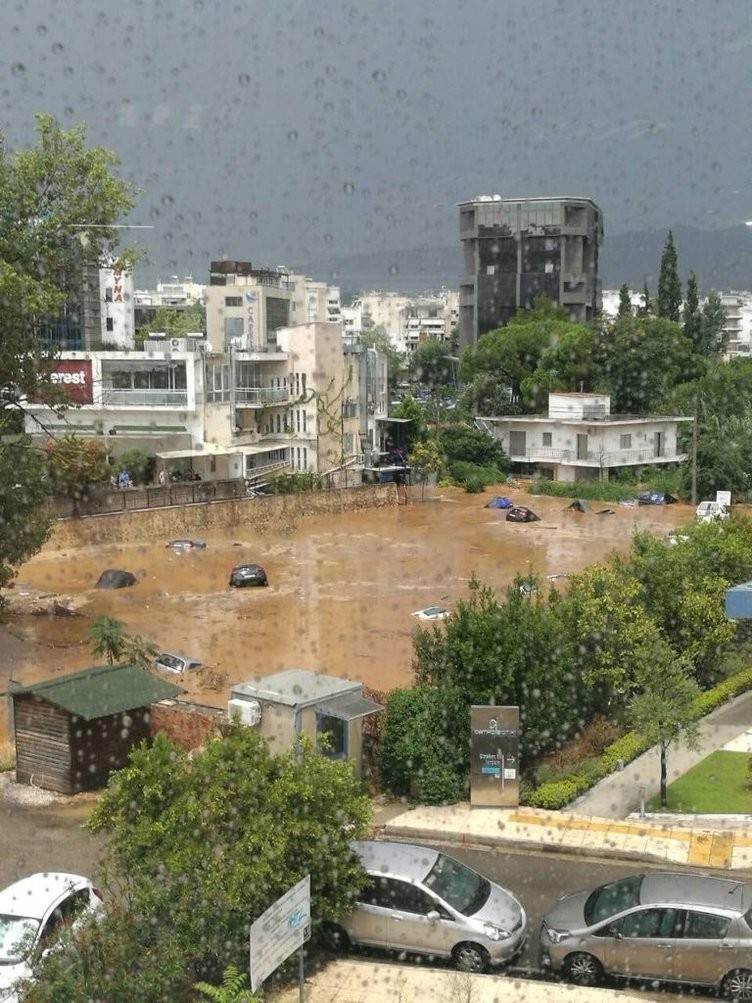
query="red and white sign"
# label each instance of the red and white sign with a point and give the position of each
(75, 378)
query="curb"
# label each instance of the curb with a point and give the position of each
(462, 839)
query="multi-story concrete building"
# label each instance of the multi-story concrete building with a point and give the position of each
(517, 249)
(260, 393)
(580, 440)
(407, 320)
(176, 295)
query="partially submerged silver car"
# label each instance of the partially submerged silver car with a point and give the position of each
(420, 901)
(660, 926)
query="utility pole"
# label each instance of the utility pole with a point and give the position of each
(694, 452)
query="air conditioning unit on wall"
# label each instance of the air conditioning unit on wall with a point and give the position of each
(178, 345)
(247, 711)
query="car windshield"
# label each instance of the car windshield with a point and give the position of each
(610, 899)
(459, 886)
(16, 936)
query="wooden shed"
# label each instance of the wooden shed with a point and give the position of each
(72, 732)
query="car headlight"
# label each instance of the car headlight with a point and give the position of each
(495, 932)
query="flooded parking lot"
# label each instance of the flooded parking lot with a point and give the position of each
(341, 594)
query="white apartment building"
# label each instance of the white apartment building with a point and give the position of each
(260, 393)
(407, 320)
(580, 440)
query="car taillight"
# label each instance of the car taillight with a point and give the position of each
(98, 894)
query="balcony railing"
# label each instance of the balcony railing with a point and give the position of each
(144, 398)
(612, 458)
(260, 396)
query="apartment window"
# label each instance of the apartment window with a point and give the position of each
(625, 441)
(233, 328)
(233, 300)
(547, 438)
(108, 294)
(279, 422)
(110, 324)
(297, 420)
(305, 419)
(305, 458)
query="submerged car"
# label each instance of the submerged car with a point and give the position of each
(420, 901)
(711, 511)
(167, 661)
(243, 575)
(183, 545)
(33, 911)
(432, 613)
(521, 513)
(659, 927)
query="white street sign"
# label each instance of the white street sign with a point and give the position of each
(280, 931)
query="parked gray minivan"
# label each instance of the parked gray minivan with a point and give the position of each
(661, 926)
(420, 901)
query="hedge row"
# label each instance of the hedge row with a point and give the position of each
(559, 793)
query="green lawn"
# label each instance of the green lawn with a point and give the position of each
(717, 785)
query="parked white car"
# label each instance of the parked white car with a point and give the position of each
(711, 511)
(32, 913)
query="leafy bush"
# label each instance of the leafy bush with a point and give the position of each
(473, 477)
(468, 443)
(558, 794)
(419, 756)
(294, 483)
(136, 462)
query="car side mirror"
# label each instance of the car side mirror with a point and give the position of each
(433, 916)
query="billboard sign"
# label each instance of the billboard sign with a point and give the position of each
(280, 931)
(723, 498)
(75, 379)
(494, 756)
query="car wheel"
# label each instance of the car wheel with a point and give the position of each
(470, 958)
(583, 969)
(335, 938)
(738, 985)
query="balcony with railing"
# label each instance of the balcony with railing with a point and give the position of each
(261, 396)
(596, 458)
(144, 398)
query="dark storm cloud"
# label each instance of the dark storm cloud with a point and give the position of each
(286, 131)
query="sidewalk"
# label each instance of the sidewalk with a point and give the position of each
(353, 981)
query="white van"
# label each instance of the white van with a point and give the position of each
(708, 511)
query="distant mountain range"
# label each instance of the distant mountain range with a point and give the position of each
(721, 259)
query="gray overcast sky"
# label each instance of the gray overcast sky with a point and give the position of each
(289, 131)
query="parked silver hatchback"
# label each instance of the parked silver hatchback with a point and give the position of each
(419, 901)
(660, 926)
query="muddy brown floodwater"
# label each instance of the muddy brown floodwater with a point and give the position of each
(342, 587)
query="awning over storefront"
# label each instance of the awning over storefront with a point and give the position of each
(349, 707)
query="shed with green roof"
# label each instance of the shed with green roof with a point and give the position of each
(72, 732)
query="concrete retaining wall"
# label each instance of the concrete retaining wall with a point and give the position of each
(275, 514)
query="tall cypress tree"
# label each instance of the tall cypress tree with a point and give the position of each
(625, 302)
(669, 286)
(646, 307)
(692, 317)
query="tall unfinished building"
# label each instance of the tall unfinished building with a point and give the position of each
(518, 249)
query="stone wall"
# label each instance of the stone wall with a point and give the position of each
(273, 514)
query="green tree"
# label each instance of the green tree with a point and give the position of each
(714, 336)
(137, 462)
(425, 460)
(661, 712)
(175, 323)
(107, 639)
(468, 443)
(692, 319)
(57, 201)
(25, 523)
(432, 364)
(625, 301)
(410, 409)
(487, 395)
(641, 360)
(568, 365)
(257, 823)
(75, 465)
(646, 307)
(669, 286)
